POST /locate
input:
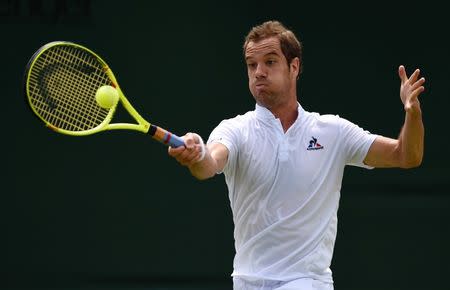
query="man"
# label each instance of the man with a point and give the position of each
(284, 167)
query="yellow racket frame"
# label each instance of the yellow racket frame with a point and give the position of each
(142, 125)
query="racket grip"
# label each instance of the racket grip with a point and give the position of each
(165, 137)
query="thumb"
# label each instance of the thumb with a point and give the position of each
(189, 141)
(402, 74)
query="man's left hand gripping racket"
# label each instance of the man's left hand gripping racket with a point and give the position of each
(61, 83)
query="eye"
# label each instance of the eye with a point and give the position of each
(251, 65)
(270, 62)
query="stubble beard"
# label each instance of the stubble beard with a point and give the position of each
(269, 99)
(266, 99)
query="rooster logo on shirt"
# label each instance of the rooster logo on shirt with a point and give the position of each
(314, 145)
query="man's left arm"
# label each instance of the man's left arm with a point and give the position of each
(407, 150)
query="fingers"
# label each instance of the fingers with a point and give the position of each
(412, 84)
(418, 84)
(417, 92)
(412, 105)
(414, 76)
(402, 74)
(404, 78)
(191, 153)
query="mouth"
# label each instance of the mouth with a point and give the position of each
(260, 85)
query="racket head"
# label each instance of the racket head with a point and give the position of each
(61, 80)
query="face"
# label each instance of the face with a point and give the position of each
(272, 81)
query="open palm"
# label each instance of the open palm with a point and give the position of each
(410, 89)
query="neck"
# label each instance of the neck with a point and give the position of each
(287, 114)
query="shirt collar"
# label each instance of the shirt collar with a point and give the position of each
(265, 114)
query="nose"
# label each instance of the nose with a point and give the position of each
(260, 71)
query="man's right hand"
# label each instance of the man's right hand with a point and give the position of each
(191, 153)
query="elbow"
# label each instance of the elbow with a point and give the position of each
(414, 162)
(202, 175)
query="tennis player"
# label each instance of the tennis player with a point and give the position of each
(284, 166)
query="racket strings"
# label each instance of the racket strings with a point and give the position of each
(63, 83)
(67, 107)
(83, 110)
(80, 104)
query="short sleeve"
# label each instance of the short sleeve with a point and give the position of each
(356, 143)
(227, 133)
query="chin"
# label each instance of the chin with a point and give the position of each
(265, 101)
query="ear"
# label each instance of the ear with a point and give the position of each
(295, 67)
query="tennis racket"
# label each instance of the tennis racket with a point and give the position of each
(61, 81)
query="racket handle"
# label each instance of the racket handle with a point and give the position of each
(165, 137)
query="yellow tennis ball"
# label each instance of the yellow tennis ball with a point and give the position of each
(106, 96)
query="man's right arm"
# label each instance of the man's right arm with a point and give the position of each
(214, 160)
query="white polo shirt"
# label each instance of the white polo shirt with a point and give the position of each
(284, 190)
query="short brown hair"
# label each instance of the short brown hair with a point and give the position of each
(290, 45)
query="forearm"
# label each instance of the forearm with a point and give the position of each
(204, 169)
(214, 161)
(411, 140)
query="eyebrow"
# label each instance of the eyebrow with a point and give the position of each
(267, 54)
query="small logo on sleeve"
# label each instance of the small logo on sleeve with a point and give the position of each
(314, 145)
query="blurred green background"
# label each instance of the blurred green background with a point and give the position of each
(114, 211)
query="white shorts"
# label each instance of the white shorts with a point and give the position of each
(299, 284)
